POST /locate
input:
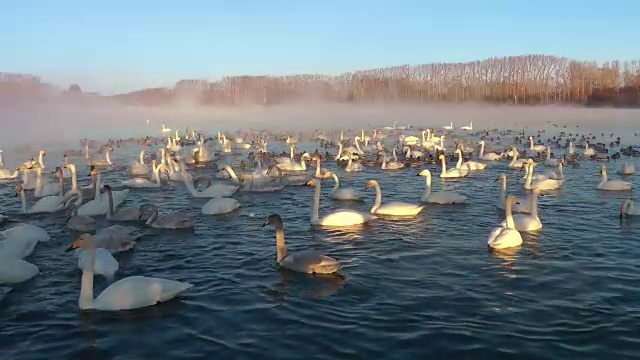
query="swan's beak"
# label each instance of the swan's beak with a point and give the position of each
(75, 245)
(264, 224)
(496, 180)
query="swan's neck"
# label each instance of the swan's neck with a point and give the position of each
(561, 171)
(303, 164)
(107, 157)
(23, 199)
(74, 179)
(232, 173)
(38, 181)
(515, 158)
(189, 184)
(336, 181)
(503, 190)
(1, 160)
(444, 166)
(110, 212)
(281, 248)
(86, 289)
(142, 157)
(395, 157)
(378, 202)
(527, 182)
(41, 160)
(156, 174)
(315, 211)
(481, 149)
(534, 205)
(61, 185)
(604, 176)
(318, 167)
(292, 153)
(531, 143)
(96, 188)
(358, 145)
(459, 163)
(427, 186)
(509, 216)
(86, 151)
(548, 153)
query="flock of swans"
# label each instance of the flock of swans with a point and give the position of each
(186, 154)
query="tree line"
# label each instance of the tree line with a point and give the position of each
(527, 79)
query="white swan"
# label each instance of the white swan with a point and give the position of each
(221, 205)
(309, 262)
(519, 208)
(139, 168)
(123, 214)
(543, 184)
(507, 236)
(448, 127)
(215, 190)
(107, 159)
(80, 223)
(87, 192)
(612, 185)
(352, 166)
(587, 150)
(46, 204)
(48, 188)
(628, 208)
(292, 166)
(488, 156)
(6, 174)
(100, 204)
(526, 222)
(441, 197)
(452, 173)
(338, 218)
(146, 183)
(516, 163)
(627, 169)
(535, 148)
(338, 193)
(128, 293)
(20, 240)
(549, 161)
(395, 208)
(467, 127)
(390, 165)
(116, 238)
(470, 165)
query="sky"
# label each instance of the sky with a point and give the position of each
(124, 45)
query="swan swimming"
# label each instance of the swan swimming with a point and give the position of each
(528, 222)
(612, 185)
(339, 218)
(394, 208)
(440, 197)
(504, 237)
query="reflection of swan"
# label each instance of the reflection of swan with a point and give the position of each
(128, 293)
(336, 218)
(612, 185)
(508, 236)
(628, 208)
(167, 221)
(441, 197)
(394, 208)
(525, 222)
(303, 261)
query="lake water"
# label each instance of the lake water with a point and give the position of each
(422, 288)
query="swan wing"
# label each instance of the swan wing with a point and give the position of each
(13, 271)
(502, 238)
(220, 206)
(126, 214)
(345, 218)
(105, 264)
(311, 262)
(399, 209)
(138, 291)
(26, 232)
(47, 204)
(445, 197)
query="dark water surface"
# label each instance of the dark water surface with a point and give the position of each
(422, 288)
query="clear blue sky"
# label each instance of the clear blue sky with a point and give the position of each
(118, 45)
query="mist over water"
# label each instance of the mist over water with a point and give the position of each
(60, 126)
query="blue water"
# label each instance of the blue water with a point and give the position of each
(422, 288)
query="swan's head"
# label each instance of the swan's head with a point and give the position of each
(273, 219)
(603, 170)
(370, 184)
(425, 172)
(502, 177)
(105, 188)
(58, 171)
(441, 157)
(481, 142)
(84, 241)
(93, 171)
(43, 153)
(511, 200)
(71, 167)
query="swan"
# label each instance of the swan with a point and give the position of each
(549, 161)
(543, 184)
(128, 293)
(338, 193)
(587, 150)
(263, 183)
(107, 159)
(87, 192)
(139, 168)
(627, 169)
(488, 156)
(80, 223)
(470, 165)
(337, 218)
(146, 183)
(525, 222)
(535, 148)
(167, 221)
(292, 166)
(448, 127)
(165, 129)
(309, 262)
(394, 208)
(20, 240)
(285, 159)
(116, 238)
(412, 153)
(612, 185)
(503, 237)
(516, 163)
(518, 208)
(46, 204)
(390, 165)
(99, 205)
(6, 174)
(48, 188)
(628, 208)
(452, 173)
(467, 127)
(352, 166)
(105, 264)
(221, 205)
(212, 191)
(123, 214)
(441, 197)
